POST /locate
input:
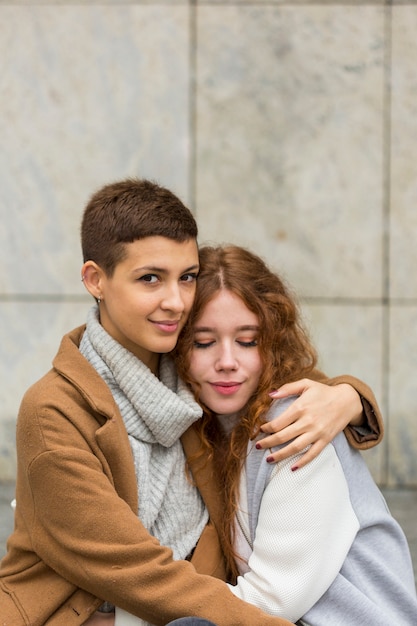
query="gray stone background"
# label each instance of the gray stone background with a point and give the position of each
(288, 127)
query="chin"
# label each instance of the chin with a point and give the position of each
(224, 409)
(165, 347)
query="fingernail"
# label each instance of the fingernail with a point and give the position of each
(272, 393)
(270, 459)
(258, 446)
(295, 468)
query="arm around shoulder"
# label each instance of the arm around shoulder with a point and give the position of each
(370, 431)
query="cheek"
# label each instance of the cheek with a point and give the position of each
(194, 367)
(188, 299)
(200, 364)
(256, 369)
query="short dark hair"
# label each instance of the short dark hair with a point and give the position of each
(128, 210)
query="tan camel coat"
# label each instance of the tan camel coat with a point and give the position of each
(77, 539)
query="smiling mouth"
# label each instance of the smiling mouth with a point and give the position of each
(167, 326)
(226, 389)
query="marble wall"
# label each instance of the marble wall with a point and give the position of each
(289, 127)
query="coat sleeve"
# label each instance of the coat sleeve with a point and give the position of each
(85, 535)
(371, 432)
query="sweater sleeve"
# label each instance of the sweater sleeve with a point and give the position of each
(371, 432)
(305, 529)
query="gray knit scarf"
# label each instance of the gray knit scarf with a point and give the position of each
(156, 412)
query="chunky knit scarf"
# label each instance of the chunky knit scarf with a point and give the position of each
(156, 412)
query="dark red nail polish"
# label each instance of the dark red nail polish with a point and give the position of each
(295, 468)
(258, 446)
(270, 459)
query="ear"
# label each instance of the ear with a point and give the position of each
(91, 275)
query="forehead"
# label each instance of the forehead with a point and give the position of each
(161, 252)
(226, 309)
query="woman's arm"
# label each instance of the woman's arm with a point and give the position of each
(305, 529)
(323, 410)
(88, 537)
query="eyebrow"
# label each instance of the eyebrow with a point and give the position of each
(163, 270)
(209, 329)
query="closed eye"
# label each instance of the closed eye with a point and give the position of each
(205, 344)
(248, 344)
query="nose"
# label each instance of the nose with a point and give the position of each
(173, 300)
(226, 359)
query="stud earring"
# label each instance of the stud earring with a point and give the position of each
(98, 300)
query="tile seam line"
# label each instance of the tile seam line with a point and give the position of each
(386, 242)
(44, 297)
(341, 301)
(219, 5)
(192, 99)
(267, 3)
(336, 300)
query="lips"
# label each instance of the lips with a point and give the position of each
(226, 388)
(167, 326)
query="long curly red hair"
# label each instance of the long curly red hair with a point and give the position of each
(286, 354)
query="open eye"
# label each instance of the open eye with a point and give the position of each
(189, 278)
(149, 278)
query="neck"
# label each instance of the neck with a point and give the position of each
(153, 364)
(228, 421)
